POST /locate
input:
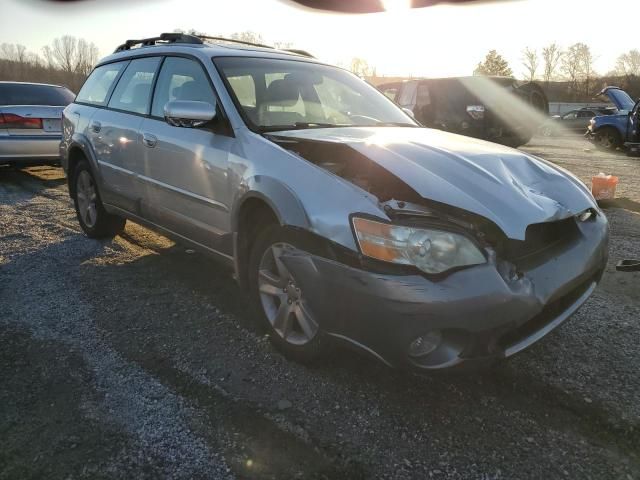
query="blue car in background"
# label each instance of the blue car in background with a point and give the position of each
(619, 130)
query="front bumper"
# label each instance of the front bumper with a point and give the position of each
(480, 312)
(29, 149)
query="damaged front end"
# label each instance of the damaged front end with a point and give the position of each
(524, 261)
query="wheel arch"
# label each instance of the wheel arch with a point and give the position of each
(80, 149)
(266, 201)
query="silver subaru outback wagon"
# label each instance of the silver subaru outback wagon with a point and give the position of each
(342, 217)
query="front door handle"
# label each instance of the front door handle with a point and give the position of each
(149, 140)
(95, 126)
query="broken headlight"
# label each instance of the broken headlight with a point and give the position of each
(429, 249)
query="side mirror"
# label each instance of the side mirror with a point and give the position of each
(409, 112)
(189, 114)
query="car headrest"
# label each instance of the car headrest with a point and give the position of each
(284, 92)
(190, 90)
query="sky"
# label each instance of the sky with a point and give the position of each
(445, 40)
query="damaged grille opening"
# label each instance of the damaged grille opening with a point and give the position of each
(541, 241)
(347, 163)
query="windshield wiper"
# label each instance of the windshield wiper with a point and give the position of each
(300, 126)
(395, 124)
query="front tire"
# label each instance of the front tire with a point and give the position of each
(608, 139)
(94, 220)
(278, 300)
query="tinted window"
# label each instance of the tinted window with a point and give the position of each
(570, 116)
(181, 79)
(133, 91)
(27, 94)
(97, 86)
(586, 114)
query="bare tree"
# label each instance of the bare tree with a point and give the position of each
(360, 67)
(14, 52)
(587, 72)
(71, 54)
(628, 64)
(551, 55)
(571, 67)
(248, 36)
(530, 61)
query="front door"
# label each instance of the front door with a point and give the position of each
(185, 169)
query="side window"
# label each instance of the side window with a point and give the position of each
(586, 114)
(181, 79)
(97, 86)
(570, 116)
(133, 91)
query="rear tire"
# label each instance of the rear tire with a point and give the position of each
(608, 138)
(277, 299)
(94, 220)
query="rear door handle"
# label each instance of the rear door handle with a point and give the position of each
(95, 126)
(149, 140)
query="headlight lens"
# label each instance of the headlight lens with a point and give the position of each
(431, 250)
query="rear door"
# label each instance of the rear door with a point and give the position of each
(113, 132)
(185, 169)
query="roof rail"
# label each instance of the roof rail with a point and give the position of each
(232, 40)
(297, 51)
(164, 38)
(168, 38)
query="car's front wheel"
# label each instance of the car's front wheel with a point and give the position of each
(278, 298)
(608, 138)
(95, 221)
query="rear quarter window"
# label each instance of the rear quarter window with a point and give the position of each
(29, 94)
(96, 88)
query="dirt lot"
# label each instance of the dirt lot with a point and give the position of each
(134, 358)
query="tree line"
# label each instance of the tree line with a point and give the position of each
(569, 73)
(67, 61)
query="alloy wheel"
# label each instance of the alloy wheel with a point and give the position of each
(87, 198)
(282, 298)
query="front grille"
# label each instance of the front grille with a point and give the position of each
(541, 239)
(548, 314)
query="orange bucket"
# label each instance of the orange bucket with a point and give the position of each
(603, 187)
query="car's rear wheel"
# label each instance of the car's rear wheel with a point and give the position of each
(95, 221)
(608, 138)
(278, 298)
(547, 131)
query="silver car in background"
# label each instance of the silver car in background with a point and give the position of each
(344, 219)
(31, 122)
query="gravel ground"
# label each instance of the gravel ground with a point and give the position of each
(134, 358)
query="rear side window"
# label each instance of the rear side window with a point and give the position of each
(181, 79)
(29, 94)
(98, 85)
(133, 91)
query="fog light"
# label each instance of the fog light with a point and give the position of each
(425, 344)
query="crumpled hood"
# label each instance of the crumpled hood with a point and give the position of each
(506, 186)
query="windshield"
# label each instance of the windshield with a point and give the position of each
(285, 94)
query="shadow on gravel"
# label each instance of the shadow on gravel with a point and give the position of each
(46, 427)
(179, 308)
